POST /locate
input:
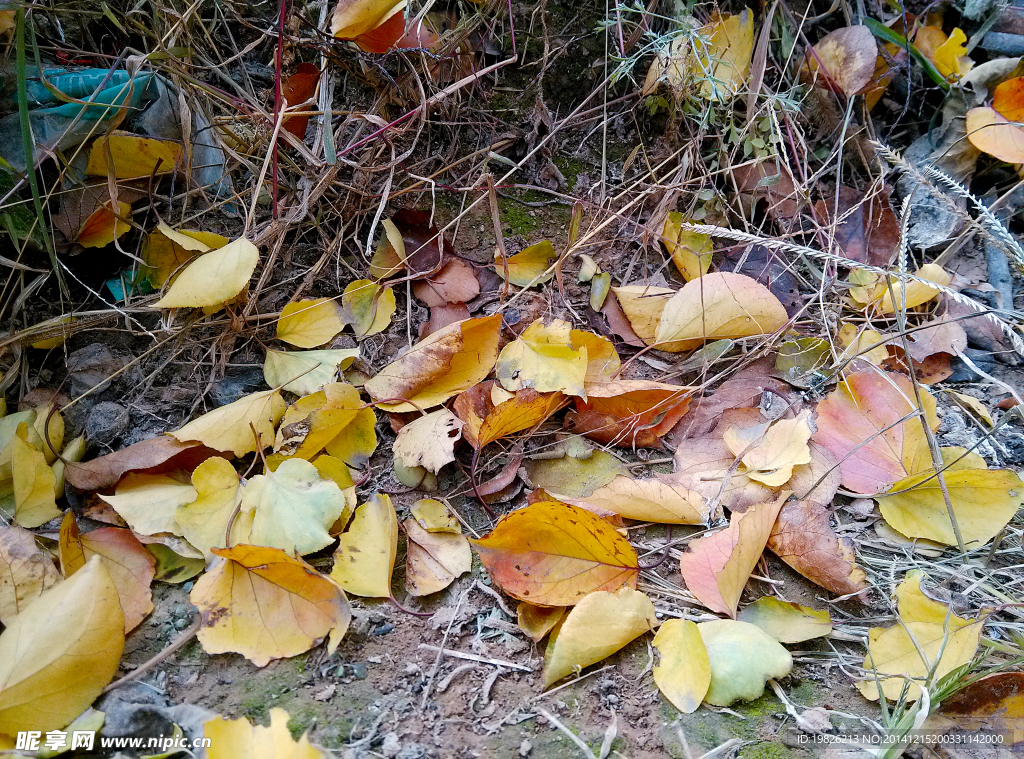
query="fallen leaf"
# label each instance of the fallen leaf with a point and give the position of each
(442, 316)
(803, 538)
(529, 267)
(656, 499)
(991, 132)
(365, 556)
(228, 428)
(643, 306)
(412, 243)
(456, 282)
(487, 421)
(368, 307)
(718, 305)
(354, 17)
(575, 477)
(939, 335)
(683, 671)
(148, 502)
(309, 323)
(769, 184)
(913, 293)
(59, 653)
(333, 418)
(538, 621)
(866, 228)
(743, 657)
(434, 559)
(949, 54)
(1000, 695)
(844, 60)
(104, 225)
(305, 372)
(443, 365)
(122, 155)
(433, 516)
(33, 482)
(690, 251)
(382, 38)
(234, 595)
(553, 554)
(167, 250)
(630, 413)
(542, 358)
(716, 567)
(213, 278)
(233, 738)
(298, 88)
(602, 358)
(974, 406)
(865, 344)
(930, 642)
(724, 64)
(768, 452)
(25, 572)
(860, 424)
(429, 441)
(786, 622)
(983, 501)
(156, 455)
(600, 624)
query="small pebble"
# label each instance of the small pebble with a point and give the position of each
(384, 629)
(180, 624)
(187, 587)
(359, 671)
(525, 747)
(179, 610)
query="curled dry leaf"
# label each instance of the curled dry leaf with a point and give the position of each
(786, 622)
(104, 225)
(743, 658)
(598, 626)
(690, 251)
(365, 556)
(368, 307)
(718, 305)
(429, 441)
(309, 323)
(716, 568)
(768, 452)
(233, 738)
(214, 278)
(58, 654)
(930, 642)
(247, 580)
(553, 554)
(683, 671)
(166, 250)
(445, 364)
(543, 358)
(25, 572)
(538, 621)
(228, 428)
(156, 455)
(630, 413)
(352, 18)
(490, 413)
(433, 516)
(434, 559)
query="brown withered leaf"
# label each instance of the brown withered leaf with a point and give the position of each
(770, 183)
(423, 243)
(803, 538)
(159, 454)
(629, 413)
(442, 316)
(940, 335)
(25, 571)
(768, 267)
(454, 283)
(870, 231)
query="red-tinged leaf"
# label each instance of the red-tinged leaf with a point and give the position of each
(456, 282)
(630, 413)
(382, 38)
(716, 567)
(844, 60)
(298, 88)
(869, 231)
(156, 455)
(1008, 99)
(487, 421)
(552, 554)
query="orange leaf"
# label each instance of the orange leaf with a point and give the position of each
(859, 423)
(716, 567)
(104, 226)
(487, 420)
(552, 554)
(989, 131)
(233, 596)
(630, 413)
(1008, 99)
(382, 38)
(298, 88)
(537, 621)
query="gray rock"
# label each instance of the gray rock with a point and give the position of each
(91, 367)
(233, 387)
(412, 751)
(106, 422)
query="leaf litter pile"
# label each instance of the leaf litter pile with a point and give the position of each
(604, 378)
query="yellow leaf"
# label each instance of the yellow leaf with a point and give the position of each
(166, 250)
(787, 622)
(34, 502)
(542, 358)
(989, 131)
(230, 739)
(104, 226)
(487, 420)
(949, 54)
(26, 571)
(389, 257)
(433, 516)
(234, 596)
(651, 500)
(554, 554)
(53, 436)
(538, 621)
(716, 568)
(334, 418)
(434, 559)
(724, 64)
(598, 626)
(204, 521)
(858, 343)
(683, 671)
(304, 372)
(365, 556)
(973, 405)
(58, 654)
(354, 17)
(743, 657)
(602, 359)
(121, 155)
(309, 323)
(910, 294)
(690, 251)
(447, 362)
(768, 452)
(723, 304)
(983, 500)
(214, 278)
(429, 441)
(368, 307)
(529, 267)
(643, 307)
(928, 627)
(228, 428)
(148, 502)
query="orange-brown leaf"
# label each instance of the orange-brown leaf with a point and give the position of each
(630, 413)
(487, 421)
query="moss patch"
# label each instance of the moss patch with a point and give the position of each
(515, 218)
